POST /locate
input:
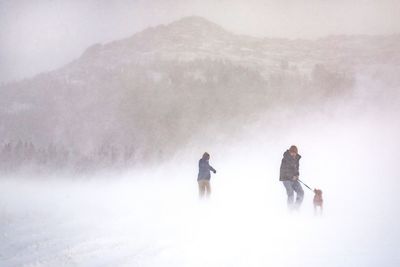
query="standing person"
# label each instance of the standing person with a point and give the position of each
(204, 176)
(289, 175)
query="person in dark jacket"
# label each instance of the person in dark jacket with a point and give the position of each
(204, 175)
(289, 175)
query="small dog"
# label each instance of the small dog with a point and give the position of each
(318, 201)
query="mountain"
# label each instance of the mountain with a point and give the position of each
(189, 80)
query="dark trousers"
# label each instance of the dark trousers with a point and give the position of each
(291, 187)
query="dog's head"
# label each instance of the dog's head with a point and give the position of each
(318, 192)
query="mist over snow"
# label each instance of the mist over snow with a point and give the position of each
(99, 158)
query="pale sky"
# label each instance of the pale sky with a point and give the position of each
(42, 35)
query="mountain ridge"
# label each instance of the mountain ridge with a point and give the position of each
(165, 86)
(193, 22)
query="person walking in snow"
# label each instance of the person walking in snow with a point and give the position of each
(289, 176)
(204, 175)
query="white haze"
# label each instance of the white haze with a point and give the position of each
(152, 217)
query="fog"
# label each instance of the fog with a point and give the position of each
(153, 217)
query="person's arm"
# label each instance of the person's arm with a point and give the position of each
(285, 171)
(211, 168)
(296, 171)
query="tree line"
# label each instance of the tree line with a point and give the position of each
(19, 155)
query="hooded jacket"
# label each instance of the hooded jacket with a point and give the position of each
(289, 166)
(204, 170)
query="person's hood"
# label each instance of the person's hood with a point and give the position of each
(287, 155)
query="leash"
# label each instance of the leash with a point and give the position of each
(304, 184)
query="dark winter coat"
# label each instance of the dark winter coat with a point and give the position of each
(289, 166)
(204, 170)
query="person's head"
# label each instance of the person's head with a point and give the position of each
(206, 156)
(293, 151)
